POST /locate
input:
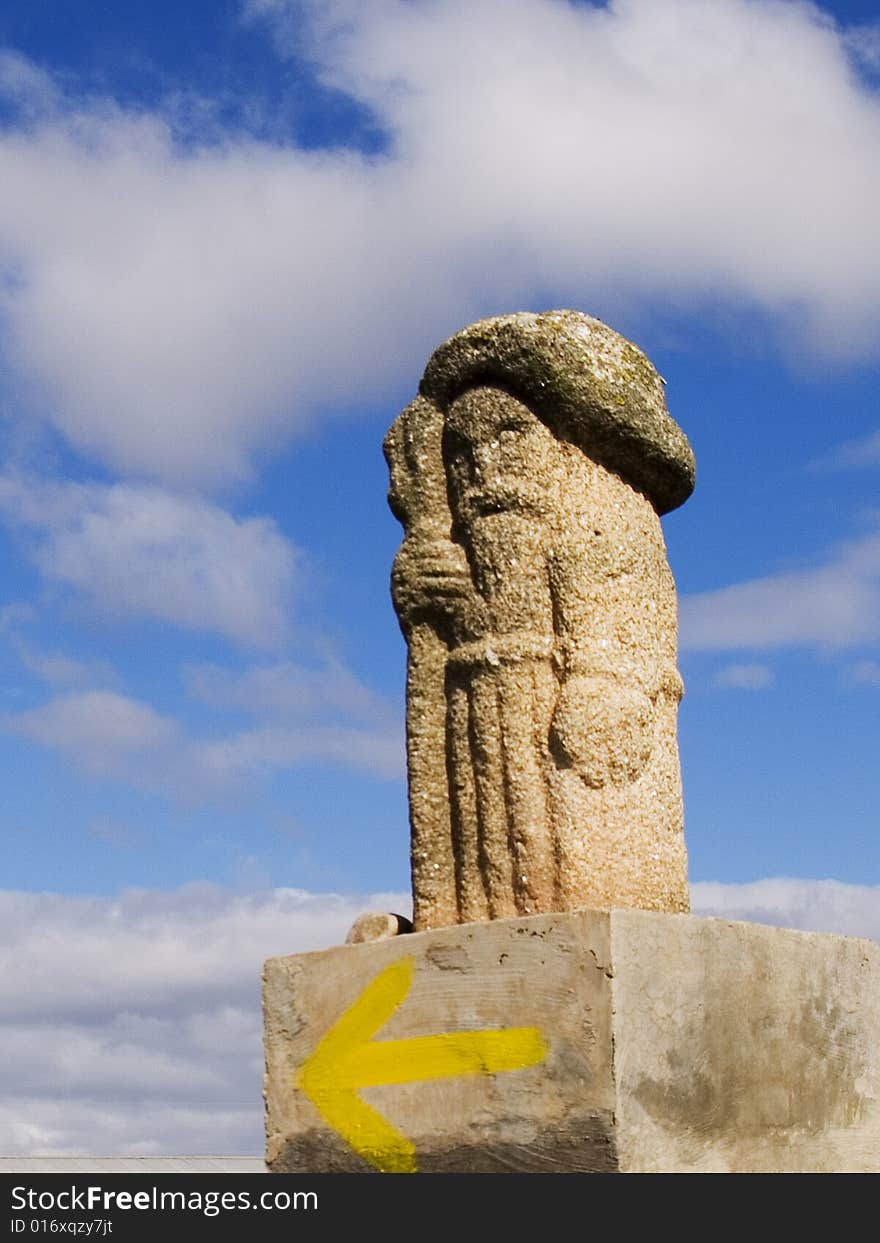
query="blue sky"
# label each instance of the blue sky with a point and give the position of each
(231, 234)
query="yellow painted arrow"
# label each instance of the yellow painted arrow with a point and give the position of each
(343, 1062)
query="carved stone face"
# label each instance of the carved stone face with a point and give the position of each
(499, 457)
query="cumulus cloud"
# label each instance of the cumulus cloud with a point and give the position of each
(50, 665)
(137, 549)
(744, 677)
(379, 752)
(109, 736)
(302, 715)
(105, 733)
(174, 310)
(324, 714)
(25, 85)
(131, 1025)
(836, 604)
(286, 690)
(813, 905)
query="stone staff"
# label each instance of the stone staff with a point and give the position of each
(539, 607)
(427, 569)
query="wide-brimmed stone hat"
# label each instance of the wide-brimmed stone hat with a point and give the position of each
(587, 383)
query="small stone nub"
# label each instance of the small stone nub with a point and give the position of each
(377, 926)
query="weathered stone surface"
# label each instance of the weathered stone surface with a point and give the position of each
(539, 609)
(377, 926)
(549, 972)
(739, 1047)
(586, 382)
(668, 1043)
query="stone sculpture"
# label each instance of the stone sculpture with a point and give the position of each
(533, 589)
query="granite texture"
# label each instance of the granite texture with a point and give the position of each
(539, 609)
(377, 926)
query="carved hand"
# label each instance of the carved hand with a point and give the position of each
(603, 729)
(429, 575)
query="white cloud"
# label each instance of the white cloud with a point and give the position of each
(136, 549)
(378, 751)
(744, 677)
(114, 737)
(175, 310)
(96, 720)
(192, 946)
(307, 715)
(25, 84)
(105, 733)
(131, 1025)
(834, 605)
(814, 905)
(285, 690)
(52, 667)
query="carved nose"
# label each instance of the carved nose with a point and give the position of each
(482, 462)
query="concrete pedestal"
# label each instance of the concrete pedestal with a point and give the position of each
(588, 1041)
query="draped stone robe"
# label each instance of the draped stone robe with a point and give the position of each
(539, 609)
